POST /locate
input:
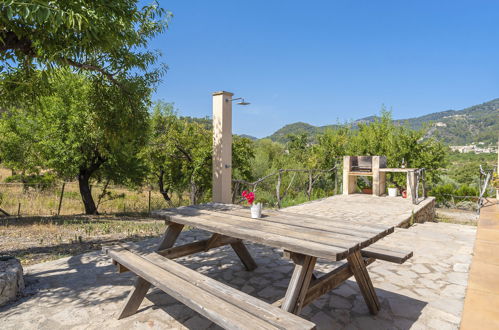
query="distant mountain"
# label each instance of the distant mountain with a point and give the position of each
(479, 123)
(248, 137)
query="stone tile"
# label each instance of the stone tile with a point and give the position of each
(339, 302)
(198, 323)
(408, 298)
(324, 321)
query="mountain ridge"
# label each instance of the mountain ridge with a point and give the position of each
(478, 123)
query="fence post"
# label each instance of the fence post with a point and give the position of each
(60, 198)
(278, 189)
(309, 190)
(19, 210)
(149, 202)
(335, 181)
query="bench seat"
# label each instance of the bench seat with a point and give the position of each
(382, 252)
(222, 304)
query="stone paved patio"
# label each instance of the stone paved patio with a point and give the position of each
(83, 292)
(392, 211)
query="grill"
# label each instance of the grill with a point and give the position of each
(364, 163)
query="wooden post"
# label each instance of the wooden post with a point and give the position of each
(60, 198)
(336, 181)
(310, 178)
(359, 270)
(19, 210)
(149, 202)
(299, 283)
(244, 255)
(222, 147)
(278, 189)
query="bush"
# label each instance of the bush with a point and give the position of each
(441, 193)
(37, 181)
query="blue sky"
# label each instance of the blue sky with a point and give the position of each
(324, 62)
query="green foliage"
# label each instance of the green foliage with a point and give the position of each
(473, 124)
(105, 38)
(82, 128)
(41, 181)
(179, 154)
(269, 156)
(243, 155)
(399, 143)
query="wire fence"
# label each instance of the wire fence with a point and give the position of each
(302, 180)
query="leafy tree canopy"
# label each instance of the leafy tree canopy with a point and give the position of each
(106, 38)
(82, 130)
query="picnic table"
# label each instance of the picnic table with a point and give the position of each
(304, 239)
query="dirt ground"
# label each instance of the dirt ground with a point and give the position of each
(39, 239)
(463, 217)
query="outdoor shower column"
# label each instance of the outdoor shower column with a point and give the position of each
(222, 147)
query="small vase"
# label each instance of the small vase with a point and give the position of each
(392, 192)
(256, 211)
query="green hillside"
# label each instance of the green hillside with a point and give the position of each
(479, 123)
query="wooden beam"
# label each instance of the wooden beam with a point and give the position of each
(141, 287)
(381, 252)
(299, 283)
(135, 298)
(194, 247)
(330, 281)
(170, 236)
(212, 241)
(243, 254)
(359, 270)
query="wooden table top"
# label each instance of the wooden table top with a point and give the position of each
(316, 236)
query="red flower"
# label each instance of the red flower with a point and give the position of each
(250, 196)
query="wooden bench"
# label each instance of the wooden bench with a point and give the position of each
(382, 252)
(222, 304)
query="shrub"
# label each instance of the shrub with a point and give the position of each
(37, 181)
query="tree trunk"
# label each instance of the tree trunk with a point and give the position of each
(86, 193)
(194, 192)
(161, 185)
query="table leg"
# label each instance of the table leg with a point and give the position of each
(359, 270)
(243, 254)
(141, 287)
(299, 283)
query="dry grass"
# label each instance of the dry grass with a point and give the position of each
(45, 202)
(39, 239)
(4, 173)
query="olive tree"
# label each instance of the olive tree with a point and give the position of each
(82, 129)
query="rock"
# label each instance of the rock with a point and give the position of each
(462, 268)
(11, 279)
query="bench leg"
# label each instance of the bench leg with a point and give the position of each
(243, 254)
(359, 270)
(135, 298)
(299, 283)
(138, 293)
